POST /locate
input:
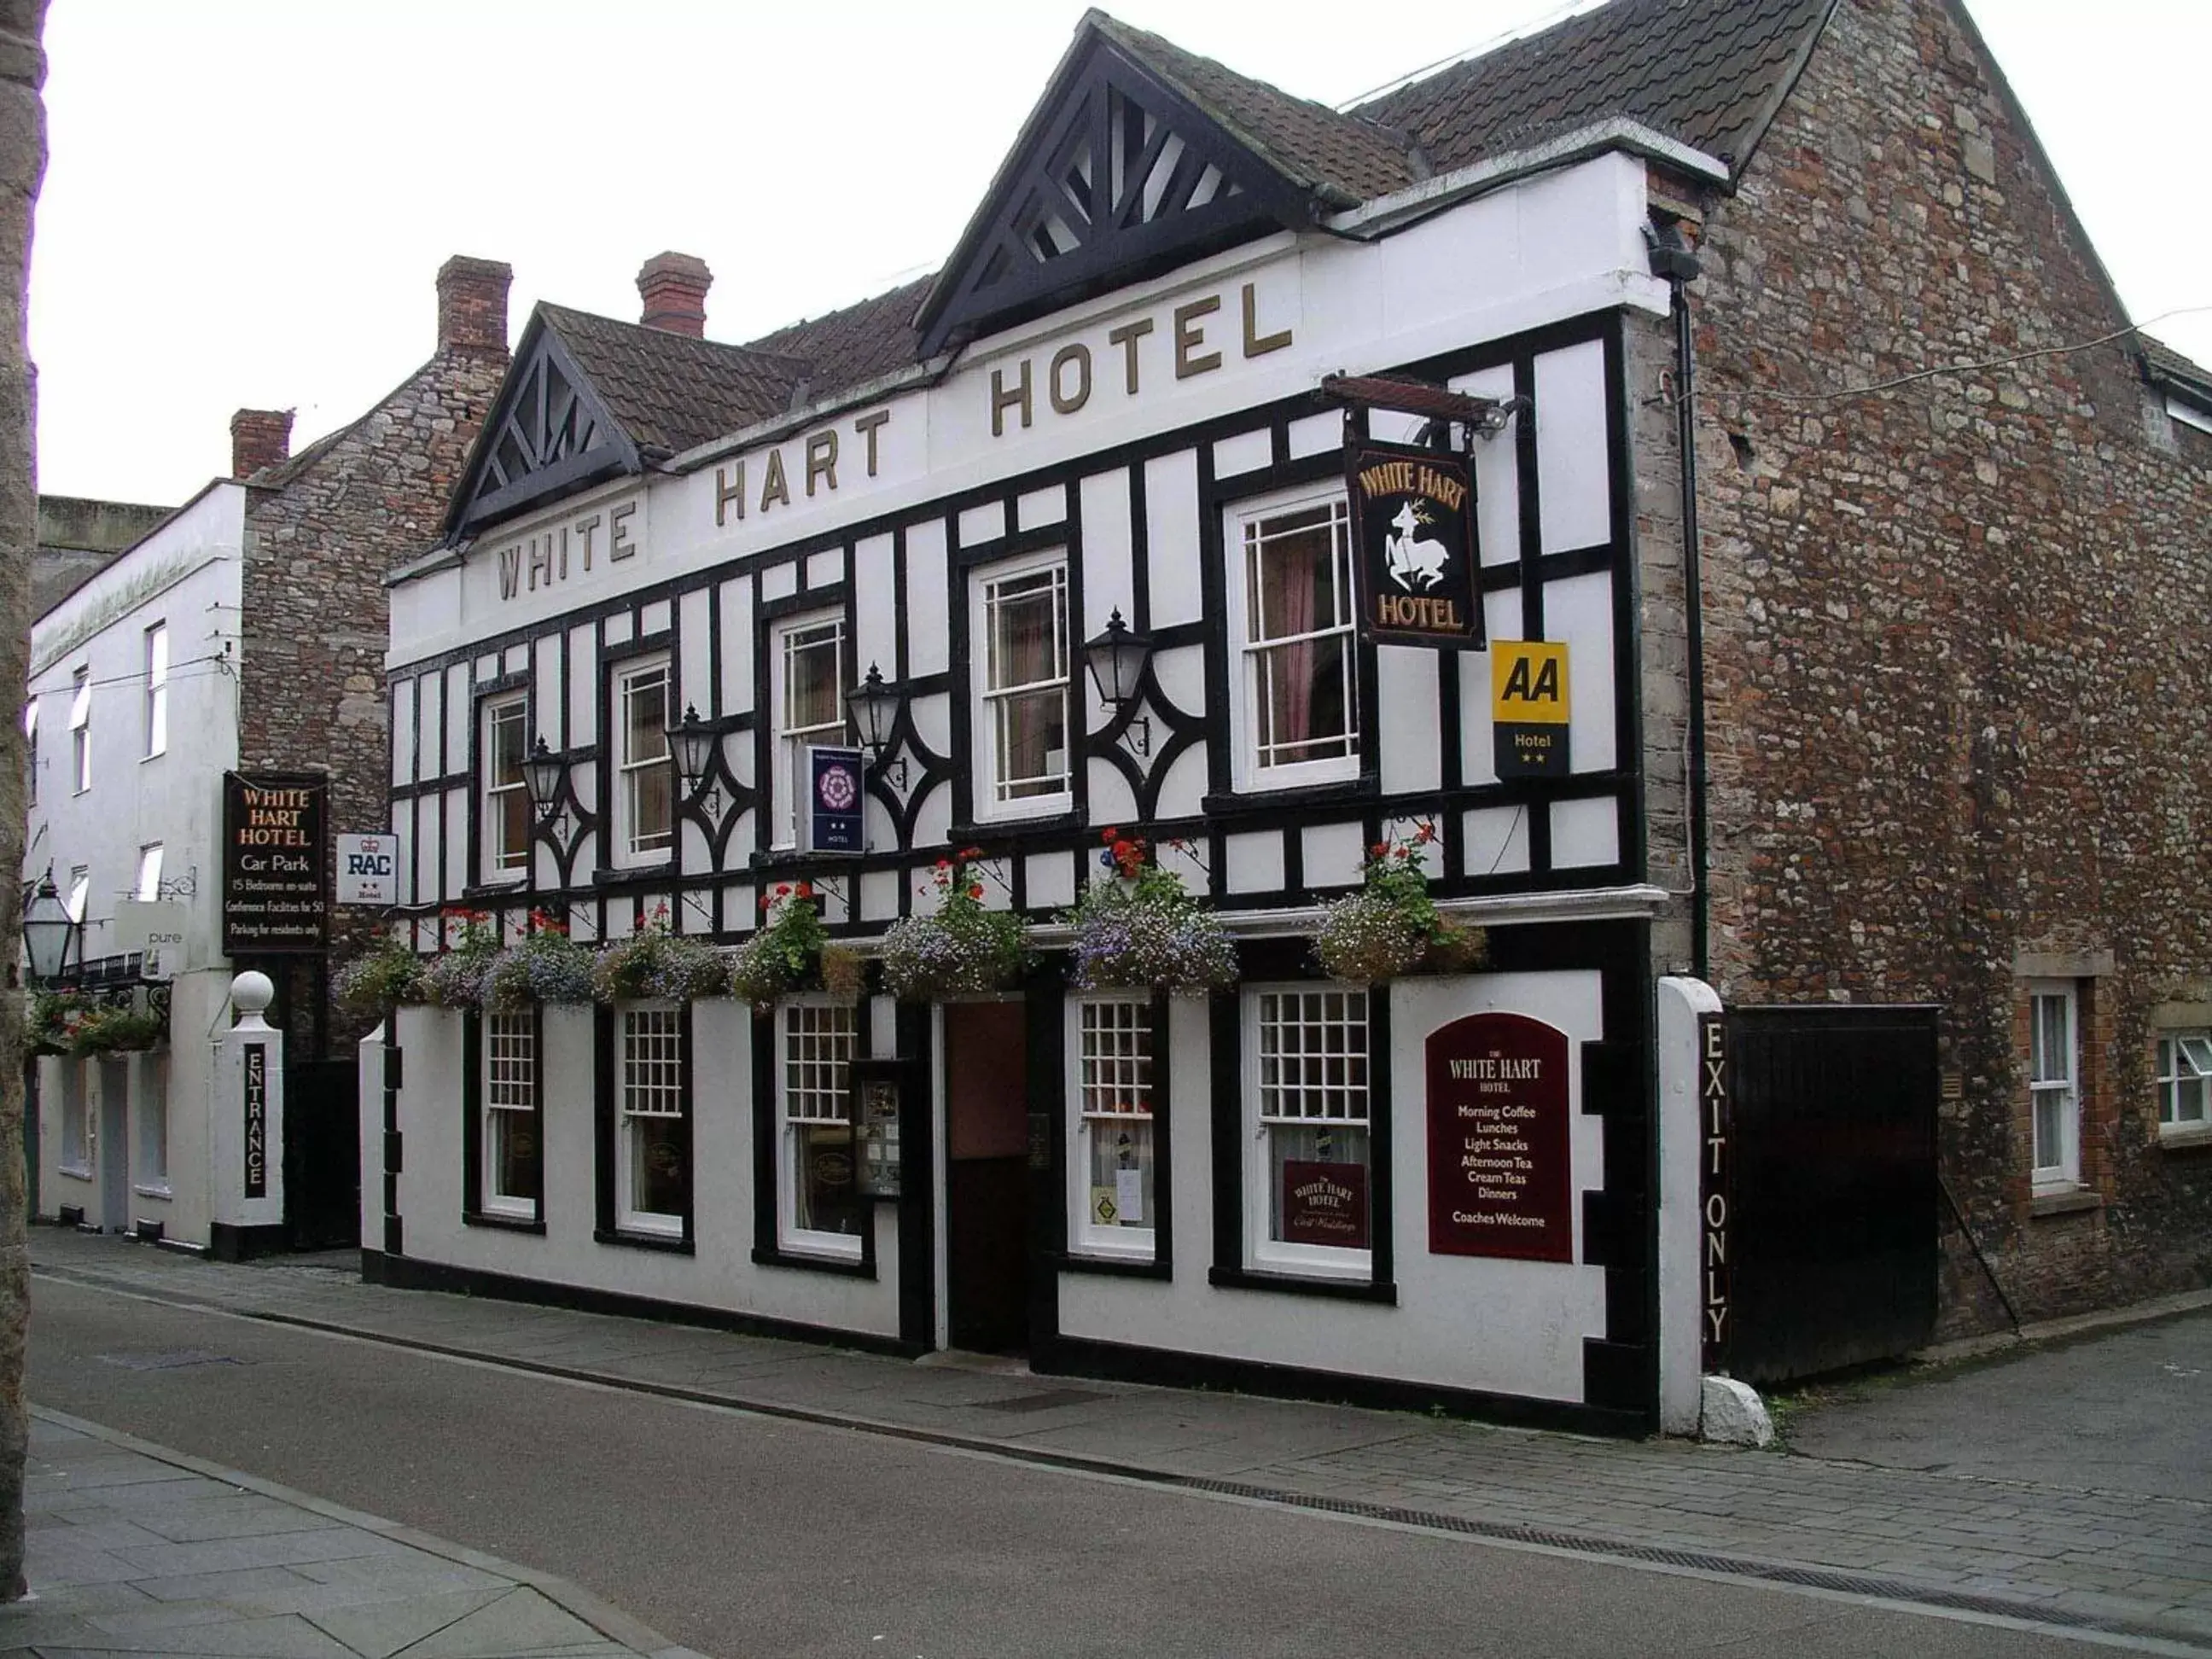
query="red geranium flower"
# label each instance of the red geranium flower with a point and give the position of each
(975, 892)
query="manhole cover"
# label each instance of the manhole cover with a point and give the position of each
(175, 1361)
(1039, 1402)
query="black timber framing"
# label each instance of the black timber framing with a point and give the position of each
(535, 422)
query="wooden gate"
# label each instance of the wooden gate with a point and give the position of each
(1835, 1194)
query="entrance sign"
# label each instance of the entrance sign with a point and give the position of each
(1499, 1163)
(1325, 1204)
(829, 785)
(368, 870)
(1715, 1192)
(1528, 708)
(275, 883)
(1412, 533)
(256, 1056)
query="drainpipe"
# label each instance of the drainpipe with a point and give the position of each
(1675, 262)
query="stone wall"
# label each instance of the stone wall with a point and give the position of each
(323, 529)
(1957, 671)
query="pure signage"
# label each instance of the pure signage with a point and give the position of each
(368, 870)
(1499, 1181)
(1412, 528)
(1528, 708)
(275, 879)
(256, 1055)
(831, 780)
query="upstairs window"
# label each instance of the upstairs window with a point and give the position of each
(808, 697)
(2184, 1080)
(1297, 702)
(645, 777)
(81, 729)
(1022, 724)
(80, 890)
(506, 800)
(148, 886)
(157, 690)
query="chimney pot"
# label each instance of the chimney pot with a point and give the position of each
(259, 438)
(674, 289)
(472, 304)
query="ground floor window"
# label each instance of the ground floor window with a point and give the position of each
(513, 1164)
(822, 1208)
(2054, 1084)
(1306, 1103)
(2185, 1080)
(76, 1136)
(153, 1170)
(1111, 1043)
(652, 1129)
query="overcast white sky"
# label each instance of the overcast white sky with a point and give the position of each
(248, 199)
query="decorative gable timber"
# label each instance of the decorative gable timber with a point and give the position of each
(1117, 176)
(549, 433)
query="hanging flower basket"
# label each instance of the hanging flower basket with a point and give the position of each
(454, 977)
(1137, 929)
(785, 954)
(544, 965)
(655, 964)
(114, 1029)
(1391, 927)
(370, 983)
(960, 949)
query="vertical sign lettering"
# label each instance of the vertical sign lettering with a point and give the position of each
(1714, 1189)
(256, 1055)
(1499, 1182)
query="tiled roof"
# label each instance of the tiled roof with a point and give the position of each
(1707, 72)
(2165, 363)
(859, 343)
(1309, 143)
(671, 392)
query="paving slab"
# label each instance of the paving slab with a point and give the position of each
(304, 1580)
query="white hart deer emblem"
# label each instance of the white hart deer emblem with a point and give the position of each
(1414, 561)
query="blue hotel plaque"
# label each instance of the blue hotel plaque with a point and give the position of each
(832, 781)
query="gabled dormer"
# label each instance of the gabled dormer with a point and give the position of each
(1141, 157)
(549, 433)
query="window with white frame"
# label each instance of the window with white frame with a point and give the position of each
(808, 666)
(645, 777)
(1020, 625)
(157, 690)
(1113, 1162)
(153, 1160)
(512, 1168)
(81, 729)
(822, 1208)
(77, 1121)
(31, 752)
(653, 1138)
(2184, 1080)
(1296, 705)
(2054, 1084)
(80, 890)
(148, 884)
(506, 837)
(1307, 1108)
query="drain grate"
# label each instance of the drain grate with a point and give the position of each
(1040, 1402)
(175, 1360)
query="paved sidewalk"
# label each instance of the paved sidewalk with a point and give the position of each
(2069, 1555)
(133, 1549)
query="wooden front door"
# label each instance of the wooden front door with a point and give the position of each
(987, 1227)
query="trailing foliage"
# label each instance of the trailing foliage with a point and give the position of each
(78, 1023)
(961, 947)
(785, 954)
(1391, 927)
(468, 940)
(653, 963)
(544, 965)
(1138, 929)
(372, 982)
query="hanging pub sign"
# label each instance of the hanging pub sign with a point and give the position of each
(275, 870)
(1499, 1176)
(1412, 530)
(1528, 708)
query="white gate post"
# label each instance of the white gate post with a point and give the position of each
(246, 1128)
(1681, 1144)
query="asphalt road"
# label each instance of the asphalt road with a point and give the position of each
(750, 1537)
(2121, 1411)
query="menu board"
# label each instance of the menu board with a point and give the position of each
(1499, 1163)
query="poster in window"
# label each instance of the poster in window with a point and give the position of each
(1499, 1168)
(877, 1087)
(1413, 525)
(1325, 1204)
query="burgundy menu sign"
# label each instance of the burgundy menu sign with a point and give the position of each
(1498, 1164)
(1325, 1204)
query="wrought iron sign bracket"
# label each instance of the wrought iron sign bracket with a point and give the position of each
(1482, 417)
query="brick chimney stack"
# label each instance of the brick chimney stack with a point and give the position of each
(472, 304)
(674, 289)
(259, 438)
